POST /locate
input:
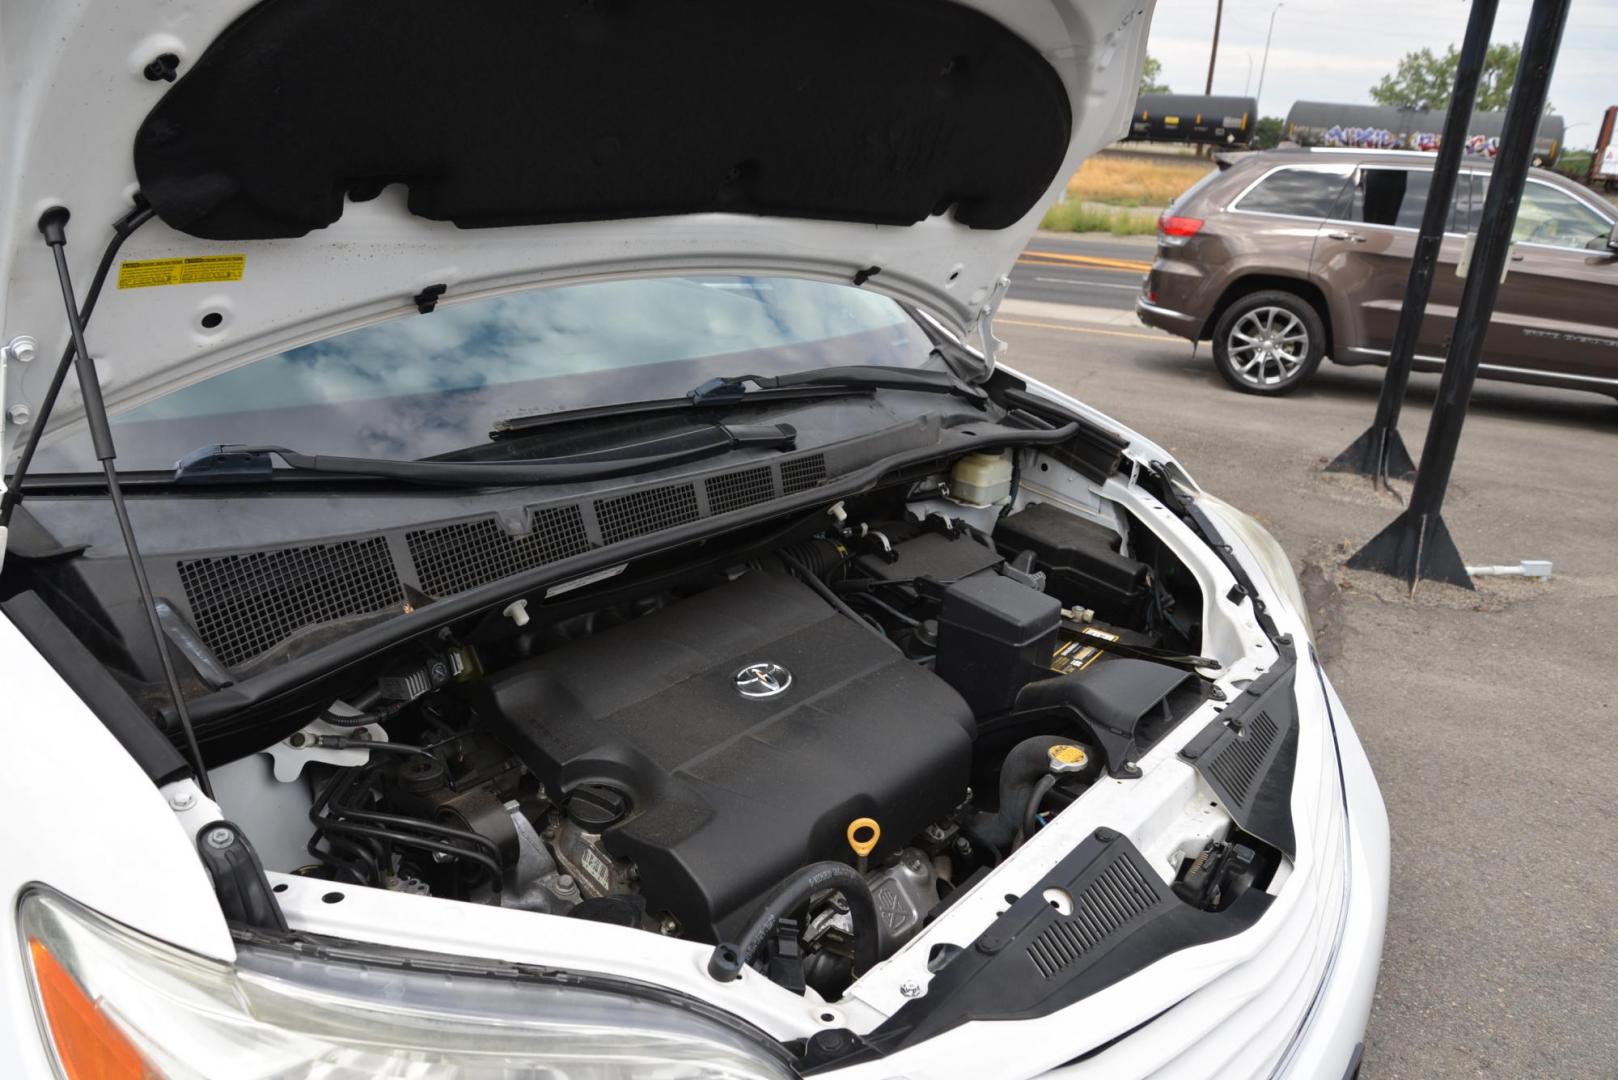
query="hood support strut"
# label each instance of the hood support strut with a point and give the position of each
(53, 226)
(137, 216)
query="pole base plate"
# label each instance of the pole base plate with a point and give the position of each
(1378, 452)
(1414, 547)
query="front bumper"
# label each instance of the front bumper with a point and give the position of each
(1331, 1039)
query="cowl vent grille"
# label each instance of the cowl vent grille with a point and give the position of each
(1238, 762)
(1118, 895)
(244, 604)
(451, 559)
(801, 474)
(734, 490)
(624, 517)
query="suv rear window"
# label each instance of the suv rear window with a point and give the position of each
(1309, 193)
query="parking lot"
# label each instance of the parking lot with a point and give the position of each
(1489, 716)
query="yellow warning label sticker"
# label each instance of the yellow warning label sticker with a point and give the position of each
(144, 273)
(1075, 655)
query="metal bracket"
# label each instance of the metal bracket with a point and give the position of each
(14, 355)
(1465, 262)
(291, 754)
(15, 411)
(993, 347)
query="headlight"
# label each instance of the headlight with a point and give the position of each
(1266, 550)
(113, 1003)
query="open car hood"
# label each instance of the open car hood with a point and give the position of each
(315, 165)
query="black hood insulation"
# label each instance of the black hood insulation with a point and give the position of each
(525, 112)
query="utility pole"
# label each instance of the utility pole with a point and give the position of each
(1417, 544)
(1213, 55)
(1264, 66)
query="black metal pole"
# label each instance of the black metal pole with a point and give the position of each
(53, 226)
(1380, 452)
(1417, 544)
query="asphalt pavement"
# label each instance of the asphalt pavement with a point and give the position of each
(1095, 271)
(1491, 717)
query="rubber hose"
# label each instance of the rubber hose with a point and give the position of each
(817, 555)
(796, 890)
(1028, 761)
(820, 587)
(1030, 817)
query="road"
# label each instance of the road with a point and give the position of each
(1090, 270)
(1491, 718)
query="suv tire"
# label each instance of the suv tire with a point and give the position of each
(1269, 342)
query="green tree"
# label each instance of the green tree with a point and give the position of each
(1267, 132)
(1425, 78)
(1149, 73)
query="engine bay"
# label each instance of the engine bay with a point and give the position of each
(798, 757)
(796, 744)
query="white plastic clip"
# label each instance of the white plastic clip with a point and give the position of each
(517, 612)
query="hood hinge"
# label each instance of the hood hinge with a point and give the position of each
(983, 325)
(15, 413)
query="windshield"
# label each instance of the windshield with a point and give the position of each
(421, 385)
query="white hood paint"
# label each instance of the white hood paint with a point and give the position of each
(73, 93)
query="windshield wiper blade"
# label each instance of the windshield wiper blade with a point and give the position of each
(522, 425)
(234, 464)
(852, 376)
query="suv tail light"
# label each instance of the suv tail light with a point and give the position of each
(1175, 231)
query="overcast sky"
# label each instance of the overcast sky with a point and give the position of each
(1336, 50)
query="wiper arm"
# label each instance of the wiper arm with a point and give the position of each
(721, 393)
(853, 376)
(234, 464)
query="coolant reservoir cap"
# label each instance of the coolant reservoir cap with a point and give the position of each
(592, 807)
(1066, 758)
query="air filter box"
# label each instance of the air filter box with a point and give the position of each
(1080, 560)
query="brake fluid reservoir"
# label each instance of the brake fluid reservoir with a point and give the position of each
(981, 479)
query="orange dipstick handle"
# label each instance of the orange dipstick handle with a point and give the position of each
(863, 833)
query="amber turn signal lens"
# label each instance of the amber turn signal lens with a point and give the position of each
(88, 1044)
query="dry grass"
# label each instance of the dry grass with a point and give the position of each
(1075, 216)
(1135, 181)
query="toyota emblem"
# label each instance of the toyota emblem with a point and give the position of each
(762, 680)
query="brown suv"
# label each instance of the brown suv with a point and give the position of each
(1283, 257)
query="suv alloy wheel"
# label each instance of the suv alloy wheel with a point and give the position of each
(1268, 343)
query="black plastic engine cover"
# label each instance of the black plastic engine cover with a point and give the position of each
(729, 794)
